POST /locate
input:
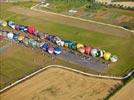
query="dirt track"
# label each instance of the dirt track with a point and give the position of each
(59, 84)
(72, 22)
(126, 93)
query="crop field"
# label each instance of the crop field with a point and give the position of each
(125, 93)
(59, 84)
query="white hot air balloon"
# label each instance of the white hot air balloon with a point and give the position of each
(10, 35)
(113, 58)
(94, 52)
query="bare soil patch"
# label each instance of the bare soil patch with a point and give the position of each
(124, 18)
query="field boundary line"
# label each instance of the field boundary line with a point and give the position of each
(70, 69)
(82, 19)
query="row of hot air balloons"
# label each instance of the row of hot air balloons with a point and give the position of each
(45, 46)
(94, 52)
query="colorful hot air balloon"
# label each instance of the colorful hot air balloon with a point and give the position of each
(100, 53)
(10, 35)
(74, 46)
(20, 38)
(60, 43)
(57, 50)
(11, 24)
(4, 23)
(26, 41)
(50, 50)
(113, 58)
(81, 50)
(79, 45)
(88, 50)
(15, 37)
(107, 55)
(94, 52)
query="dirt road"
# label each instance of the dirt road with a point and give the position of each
(72, 22)
(59, 84)
(126, 93)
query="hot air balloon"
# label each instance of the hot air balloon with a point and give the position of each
(113, 58)
(10, 35)
(81, 50)
(26, 41)
(94, 52)
(60, 43)
(45, 46)
(11, 24)
(4, 23)
(74, 46)
(50, 49)
(107, 55)
(79, 45)
(31, 29)
(57, 50)
(88, 50)
(20, 38)
(15, 37)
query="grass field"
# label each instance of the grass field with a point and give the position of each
(110, 42)
(19, 61)
(59, 84)
(3, 42)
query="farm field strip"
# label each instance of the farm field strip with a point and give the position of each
(66, 68)
(64, 81)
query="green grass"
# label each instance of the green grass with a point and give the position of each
(20, 61)
(64, 5)
(115, 45)
(110, 17)
(3, 42)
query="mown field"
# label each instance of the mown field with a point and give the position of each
(88, 10)
(17, 61)
(116, 45)
(59, 84)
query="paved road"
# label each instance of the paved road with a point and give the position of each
(89, 62)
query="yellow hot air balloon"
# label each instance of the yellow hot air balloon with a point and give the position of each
(20, 38)
(107, 55)
(4, 23)
(80, 45)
